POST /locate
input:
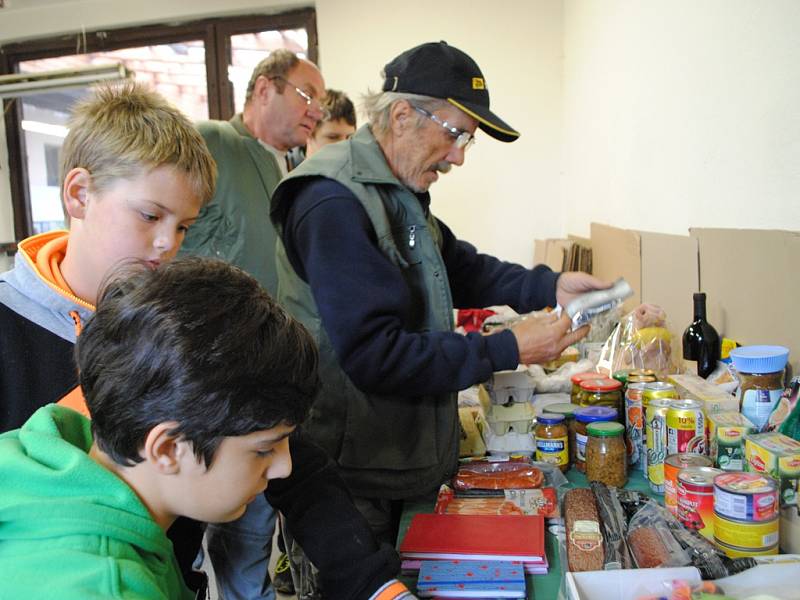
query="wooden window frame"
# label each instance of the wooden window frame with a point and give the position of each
(215, 33)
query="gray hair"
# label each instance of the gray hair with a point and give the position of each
(378, 106)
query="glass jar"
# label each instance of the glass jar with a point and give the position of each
(601, 392)
(574, 396)
(583, 417)
(760, 373)
(552, 440)
(606, 458)
(568, 410)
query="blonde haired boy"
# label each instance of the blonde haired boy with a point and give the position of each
(135, 173)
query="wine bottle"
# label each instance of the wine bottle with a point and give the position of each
(701, 340)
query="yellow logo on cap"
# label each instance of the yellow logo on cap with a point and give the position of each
(478, 83)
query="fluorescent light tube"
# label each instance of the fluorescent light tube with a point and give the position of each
(23, 84)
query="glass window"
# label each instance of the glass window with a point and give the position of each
(202, 67)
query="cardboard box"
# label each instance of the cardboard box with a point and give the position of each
(689, 385)
(750, 278)
(661, 268)
(626, 584)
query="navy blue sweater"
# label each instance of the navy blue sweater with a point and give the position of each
(363, 301)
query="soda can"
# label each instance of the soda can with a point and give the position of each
(658, 389)
(686, 427)
(656, 433)
(674, 464)
(634, 423)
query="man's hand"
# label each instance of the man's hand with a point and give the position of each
(542, 339)
(574, 283)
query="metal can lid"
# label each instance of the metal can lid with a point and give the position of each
(590, 414)
(683, 460)
(601, 385)
(685, 404)
(698, 477)
(549, 419)
(738, 482)
(578, 377)
(605, 429)
(563, 408)
(658, 386)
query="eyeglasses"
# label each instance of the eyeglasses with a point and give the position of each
(461, 139)
(312, 102)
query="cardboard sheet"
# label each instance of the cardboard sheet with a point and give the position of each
(752, 285)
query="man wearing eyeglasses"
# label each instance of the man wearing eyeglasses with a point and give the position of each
(282, 107)
(375, 276)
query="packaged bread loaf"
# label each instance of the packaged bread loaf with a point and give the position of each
(584, 539)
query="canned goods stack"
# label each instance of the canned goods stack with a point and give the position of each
(686, 427)
(673, 465)
(746, 514)
(656, 436)
(696, 499)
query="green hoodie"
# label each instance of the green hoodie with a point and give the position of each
(69, 528)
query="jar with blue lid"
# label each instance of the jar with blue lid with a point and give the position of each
(760, 370)
(584, 416)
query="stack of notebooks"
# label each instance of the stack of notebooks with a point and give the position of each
(471, 579)
(508, 538)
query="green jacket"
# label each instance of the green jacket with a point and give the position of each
(71, 529)
(386, 446)
(235, 226)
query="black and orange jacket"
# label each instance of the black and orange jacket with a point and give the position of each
(40, 319)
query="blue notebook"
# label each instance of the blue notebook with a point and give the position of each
(471, 579)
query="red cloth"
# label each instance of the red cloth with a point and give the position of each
(471, 319)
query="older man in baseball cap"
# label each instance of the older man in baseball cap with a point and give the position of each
(375, 276)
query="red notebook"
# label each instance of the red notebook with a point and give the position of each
(477, 537)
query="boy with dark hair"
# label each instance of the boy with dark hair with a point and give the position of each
(194, 379)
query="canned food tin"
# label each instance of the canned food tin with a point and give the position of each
(748, 497)
(686, 427)
(643, 373)
(658, 389)
(737, 538)
(656, 433)
(673, 464)
(634, 423)
(696, 499)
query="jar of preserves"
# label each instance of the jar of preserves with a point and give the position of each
(574, 396)
(606, 457)
(760, 370)
(583, 417)
(601, 392)
(568, 410)
(552, 440)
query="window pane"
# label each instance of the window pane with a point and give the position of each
(248, 49)
(177, 71)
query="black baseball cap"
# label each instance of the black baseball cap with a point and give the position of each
(441, 71)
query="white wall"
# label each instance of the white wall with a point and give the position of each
(682, 113)
(654, 115)
(505, 194)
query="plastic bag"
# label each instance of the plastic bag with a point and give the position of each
(641, 340)
(650, 540)
(614, 527)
